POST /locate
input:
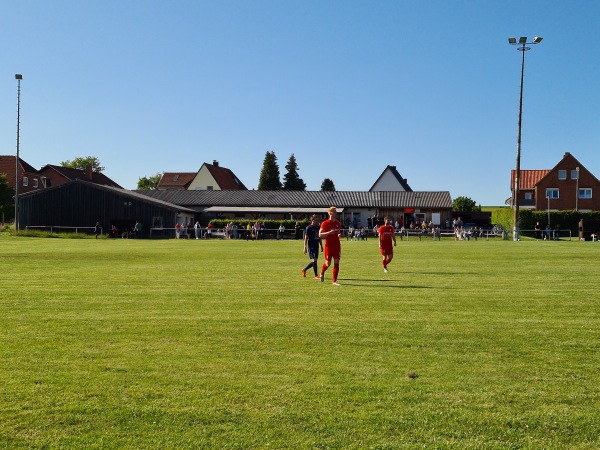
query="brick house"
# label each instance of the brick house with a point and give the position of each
(567, 186)
(57, 175)
(30, 179)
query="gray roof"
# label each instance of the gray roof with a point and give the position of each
(305, 199)
(124, 192)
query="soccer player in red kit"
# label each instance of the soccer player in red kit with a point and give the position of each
(330, 231)
(387, 235)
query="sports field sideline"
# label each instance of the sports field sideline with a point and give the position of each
(222, 344)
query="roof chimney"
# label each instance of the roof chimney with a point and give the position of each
(215, 163)
(88, 172)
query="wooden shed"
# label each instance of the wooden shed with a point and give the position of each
(80, 204)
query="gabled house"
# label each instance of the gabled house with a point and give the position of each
(390, 180)
(30, 179)
(212, 177)
(175, 180)
(57, 175)
(567, 186)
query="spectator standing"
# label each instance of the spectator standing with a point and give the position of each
(138, 230)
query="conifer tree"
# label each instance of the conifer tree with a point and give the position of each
(269, 174)
(291, 180)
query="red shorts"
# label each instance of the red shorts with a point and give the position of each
(387, 250)
(335, 253)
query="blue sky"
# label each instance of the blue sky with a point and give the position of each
(348, 87)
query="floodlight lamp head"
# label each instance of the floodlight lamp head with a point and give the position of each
(523, 40)
(512, 40)
(537, 39)
(18, 76)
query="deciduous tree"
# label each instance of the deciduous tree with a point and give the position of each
(465, 204)
(82, 162)
(327, 185)
(148, 183)
(7, 203)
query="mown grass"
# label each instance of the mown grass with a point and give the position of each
(221, 344)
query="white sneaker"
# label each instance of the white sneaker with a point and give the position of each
(335, 283)
(385, 270)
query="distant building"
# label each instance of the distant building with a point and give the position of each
(30, 179)
(57, 175)
(210, 177)
(175, 180)
(567, 186)
(390, 180)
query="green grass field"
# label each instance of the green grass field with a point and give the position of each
(173, 344)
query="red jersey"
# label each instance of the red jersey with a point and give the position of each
(332, 246)
(386, 237)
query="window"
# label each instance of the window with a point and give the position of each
(35, 183)
(209, 188)
(25, 181)
(562, 174)
(552, 193)
(574, 174)
(528, 195)
(585, 193)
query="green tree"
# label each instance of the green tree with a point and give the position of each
(327, 185)
(82, 162)
(7, 202)
(291, 180)
(149, 183)
(465, 204)
(269, 174)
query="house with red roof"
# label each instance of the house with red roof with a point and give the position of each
(567, 186)
(57, 175)
(30, 179)
(210, 177)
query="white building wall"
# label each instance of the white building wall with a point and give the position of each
(388, 182)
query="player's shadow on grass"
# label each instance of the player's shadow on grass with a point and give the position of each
(369, 282)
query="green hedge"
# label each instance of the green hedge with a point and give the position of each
(567, 220)
(269, 224)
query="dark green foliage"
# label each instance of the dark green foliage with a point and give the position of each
(291, 180)
(269, 174)
(82, 162)
(269, 224)
(327, 185)
(7, 203)
(566, 220)
(465, 204)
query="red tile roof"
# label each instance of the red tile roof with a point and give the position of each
(529, 178)
(176, 180)
(77, 174)
(225, 178)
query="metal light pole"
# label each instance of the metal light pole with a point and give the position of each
(577, 191)
(18, 77)
(522, 48)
